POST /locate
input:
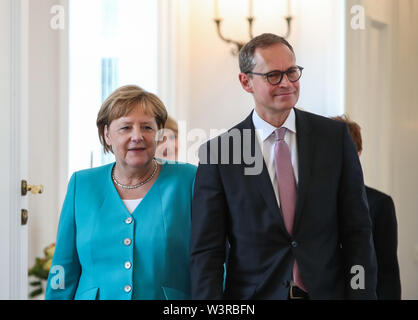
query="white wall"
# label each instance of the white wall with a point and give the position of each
(318, 40)
(382, 97)
(405, 147)
(45, 144)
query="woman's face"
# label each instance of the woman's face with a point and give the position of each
(168, 148)
(133, 138)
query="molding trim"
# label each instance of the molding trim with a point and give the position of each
(166, 53)
(63, 112)
(173, 60)
(5, 144)
(18, 257)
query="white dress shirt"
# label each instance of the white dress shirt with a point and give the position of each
(266, 138)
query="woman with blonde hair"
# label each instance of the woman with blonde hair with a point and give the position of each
(124, 227)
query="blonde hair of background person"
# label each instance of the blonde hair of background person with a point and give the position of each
(124, 227)
(168, 147)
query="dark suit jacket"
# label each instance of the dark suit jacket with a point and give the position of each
(385, 236)
(332, 229)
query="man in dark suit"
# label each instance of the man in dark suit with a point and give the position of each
(283, 191)
(385, 230)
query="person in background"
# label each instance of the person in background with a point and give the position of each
(124, 227)
(385, 229)
(168, 147)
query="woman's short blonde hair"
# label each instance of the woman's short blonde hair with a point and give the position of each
(171, 124)
(121, 102)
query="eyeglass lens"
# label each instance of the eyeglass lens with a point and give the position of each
(293, 75)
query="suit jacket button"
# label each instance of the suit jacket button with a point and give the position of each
(127, 288)
(128, 220)
(128, 265)
(127, 242)
(294, 244)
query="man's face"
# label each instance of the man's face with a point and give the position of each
(272, 98)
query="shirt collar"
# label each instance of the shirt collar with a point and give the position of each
(265, 129)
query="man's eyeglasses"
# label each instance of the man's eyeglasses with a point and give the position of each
(275, 77)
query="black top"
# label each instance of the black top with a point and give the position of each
(385, 236)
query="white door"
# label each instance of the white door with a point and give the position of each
(14, 148)
(14, 143)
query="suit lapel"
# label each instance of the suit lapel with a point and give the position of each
(262, 182)
(112, 203)
(305, 146)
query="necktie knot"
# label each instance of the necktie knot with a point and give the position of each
(280, 133)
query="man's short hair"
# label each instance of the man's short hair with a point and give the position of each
(355, 130)
(265, 40)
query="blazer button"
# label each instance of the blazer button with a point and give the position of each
(127, 242)
(127, 288)
(128, 220)
(128, 265)
(294, 244)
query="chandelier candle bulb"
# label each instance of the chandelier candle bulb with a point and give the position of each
(216, 9)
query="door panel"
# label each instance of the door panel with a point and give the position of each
(368, 82)
(13, 141)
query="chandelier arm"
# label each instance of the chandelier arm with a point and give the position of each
(250, 26)
(289, 26)
(218, 28)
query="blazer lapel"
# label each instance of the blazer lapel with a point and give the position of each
(112, 203)
(262, 182)
(305, 146)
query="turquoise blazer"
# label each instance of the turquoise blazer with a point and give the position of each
(104, 252)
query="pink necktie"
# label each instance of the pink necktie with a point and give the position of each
(287, 189)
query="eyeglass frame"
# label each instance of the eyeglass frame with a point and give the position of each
(282, 73)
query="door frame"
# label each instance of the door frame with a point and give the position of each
(13, 164)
